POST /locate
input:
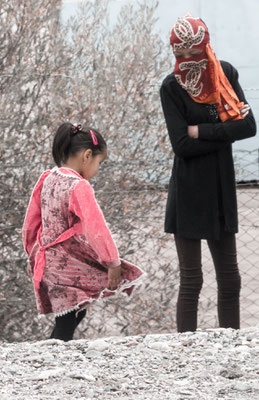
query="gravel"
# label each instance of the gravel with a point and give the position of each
(206, 364)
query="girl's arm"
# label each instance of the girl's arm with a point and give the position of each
(183, 145)
(230, 131)
(32, 219)
(95, 229)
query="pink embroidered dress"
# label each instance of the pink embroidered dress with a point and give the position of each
(69, 245)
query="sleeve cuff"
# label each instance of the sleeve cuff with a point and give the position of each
(205, 131)
(112, 264)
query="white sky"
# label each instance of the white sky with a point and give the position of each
(233, 24)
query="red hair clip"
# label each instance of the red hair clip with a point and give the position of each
(94, 138)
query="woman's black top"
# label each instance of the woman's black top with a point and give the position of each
(202, 186)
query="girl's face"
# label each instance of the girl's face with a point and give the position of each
(187, 53)
(90, 164)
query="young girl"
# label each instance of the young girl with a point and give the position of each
(205, 111)
(72, 256)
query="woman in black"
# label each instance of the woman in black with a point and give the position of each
(205, 112)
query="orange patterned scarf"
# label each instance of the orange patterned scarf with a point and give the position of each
(202, 75)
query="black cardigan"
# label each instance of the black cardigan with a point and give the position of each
(202, 185)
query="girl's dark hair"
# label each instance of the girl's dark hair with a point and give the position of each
(69, 140)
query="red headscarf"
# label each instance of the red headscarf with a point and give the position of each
(202, 75)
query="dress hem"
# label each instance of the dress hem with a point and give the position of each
(126, 285)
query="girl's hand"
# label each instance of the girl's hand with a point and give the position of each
(114, 277)
(193, 131)
(28, 269)
(244, 110)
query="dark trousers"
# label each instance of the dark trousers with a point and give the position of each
(65, 325)
(223, 252)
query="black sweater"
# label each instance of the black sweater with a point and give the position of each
(202, 186)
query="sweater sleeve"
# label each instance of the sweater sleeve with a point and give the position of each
(32, 219)
(230, 131)
(94, 227)
(183, 145)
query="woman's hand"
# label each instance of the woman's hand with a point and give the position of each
(244, 110)
(193, 131)
(114, 277)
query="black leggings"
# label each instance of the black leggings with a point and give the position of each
(65, 325)
(223, 252)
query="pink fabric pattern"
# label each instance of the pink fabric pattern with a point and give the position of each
(70, 246)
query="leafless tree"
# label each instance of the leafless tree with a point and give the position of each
(100, 73)
(115, 75)
(28, 50)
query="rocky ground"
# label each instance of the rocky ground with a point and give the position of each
(209, 364)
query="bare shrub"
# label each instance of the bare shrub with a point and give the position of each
(106, 76)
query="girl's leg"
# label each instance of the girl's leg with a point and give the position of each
(66, 324)
(80, 316)
(189, 254)
(224, 256)
(65, 327)
(53, 332)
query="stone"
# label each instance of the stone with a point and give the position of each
(242, 386)
(231, 373)
(98, 345)
(93, 354)
(81, 375)
(161, 346)
(197, 365)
